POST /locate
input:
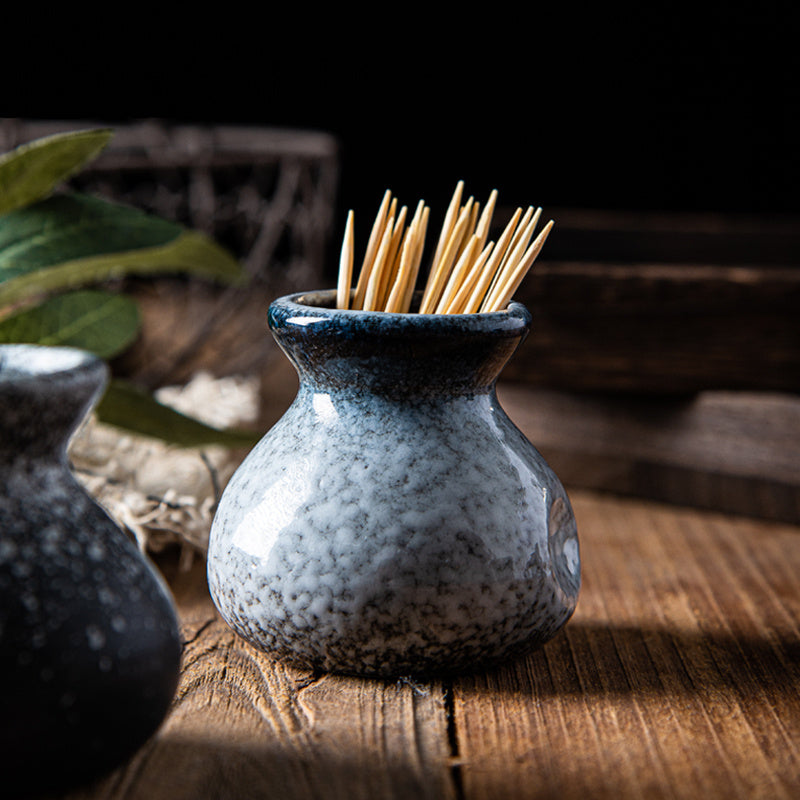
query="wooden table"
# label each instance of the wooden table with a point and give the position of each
(678, 676)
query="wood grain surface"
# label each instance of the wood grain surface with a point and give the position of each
(678, 677)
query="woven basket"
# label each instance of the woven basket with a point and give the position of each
(266, 194)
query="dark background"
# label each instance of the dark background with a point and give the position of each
(662, 109)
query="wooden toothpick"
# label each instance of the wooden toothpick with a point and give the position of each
(468, 273)
(398, 288)
(436, 281)
(458, 305)
(416, 262)
(485, 221)
(488, 276)
(345, 265)
(372, 248)
(459, 273)
(373, 284)
(513, 281)
(392, 260)
(447, 225)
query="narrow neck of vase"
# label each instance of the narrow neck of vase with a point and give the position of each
(45, 393)
(395, 355)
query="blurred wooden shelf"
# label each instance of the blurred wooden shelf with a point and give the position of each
(678, 677)
(737, 452)
(664, 359)
(664, 304)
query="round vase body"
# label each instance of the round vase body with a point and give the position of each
(89, 641)
(394, 521)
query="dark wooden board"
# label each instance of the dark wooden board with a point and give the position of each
(664, 303)
(661, 329)
(731, 451)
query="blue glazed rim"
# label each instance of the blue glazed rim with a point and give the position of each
(318, 306)
(395, 354)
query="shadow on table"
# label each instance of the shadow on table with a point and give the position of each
(176, 768)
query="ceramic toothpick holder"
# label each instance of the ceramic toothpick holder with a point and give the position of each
(89, 642)
(394, 521)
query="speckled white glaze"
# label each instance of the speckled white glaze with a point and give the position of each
(394, 521)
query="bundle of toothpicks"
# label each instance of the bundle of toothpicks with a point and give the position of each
(468, 273)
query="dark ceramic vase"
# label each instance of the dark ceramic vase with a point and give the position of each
(394, 521)
(89, 642)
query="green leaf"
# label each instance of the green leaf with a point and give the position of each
(126, 406)
(103, 323)
(74, 226)
(74, 240)
(33, 170)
